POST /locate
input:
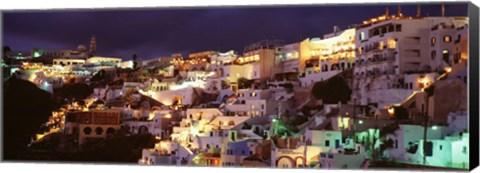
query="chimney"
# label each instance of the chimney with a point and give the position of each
(443, 10)
(418, 10)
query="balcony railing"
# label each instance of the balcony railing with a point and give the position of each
(375, 60)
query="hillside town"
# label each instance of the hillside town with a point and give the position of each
(390, 91)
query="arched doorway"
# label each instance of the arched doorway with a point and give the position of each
(142, 130)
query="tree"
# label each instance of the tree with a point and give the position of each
(77, 91)
(5, 52)
(332, 91)
(243, 83)
(135, 63)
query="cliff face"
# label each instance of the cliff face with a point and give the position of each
(449, 96)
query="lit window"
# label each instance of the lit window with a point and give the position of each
(433, 41)
(362, 36)
(447, 39)
(391, 43)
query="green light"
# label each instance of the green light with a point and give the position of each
(37, 54)
(434, 127)
(360, 122)
(274, 120)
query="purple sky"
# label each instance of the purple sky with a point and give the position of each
(160, 32)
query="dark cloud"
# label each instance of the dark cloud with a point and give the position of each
(161, 32)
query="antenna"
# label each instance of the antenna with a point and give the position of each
(399, 10)
(418, 10)
(443, 9)
(386, 12)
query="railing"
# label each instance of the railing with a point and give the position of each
(376, 60)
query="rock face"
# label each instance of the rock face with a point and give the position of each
(449, 96)
(200, 96)
(26, 109)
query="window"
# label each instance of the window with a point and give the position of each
(87, 130)
(447, 39)
(433, 41)
(384, 30)
(376, 32)
(390, 28)
(434, 54)
(398, 28)
(441, 147)
(362, 36)
(99, 131)
(327, 143)
(446, 56)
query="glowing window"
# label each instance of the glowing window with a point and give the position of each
(391, 43)
(447, 39)
(433, 41)
(362, 36)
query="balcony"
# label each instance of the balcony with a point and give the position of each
(374, 60)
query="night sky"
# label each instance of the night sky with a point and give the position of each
(159, 32)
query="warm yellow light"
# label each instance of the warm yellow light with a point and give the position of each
(391, 111)
(168, 116)
(151, 116)
(448, 69)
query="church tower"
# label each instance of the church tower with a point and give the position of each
(93, 46)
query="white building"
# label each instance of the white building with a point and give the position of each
(394, 45)
(328, 56)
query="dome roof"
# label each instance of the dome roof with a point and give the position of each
(81, 48)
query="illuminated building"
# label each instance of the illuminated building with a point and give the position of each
(392, 47)
(104, 60)
(327, 57)
(218, 61)
(107, 64)
(195, 61)
(442, 150)
(92, 125)
(291, 58)
(68, 62)
(263, 57)
(167, 153)
(156, 123)
(288, 153)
